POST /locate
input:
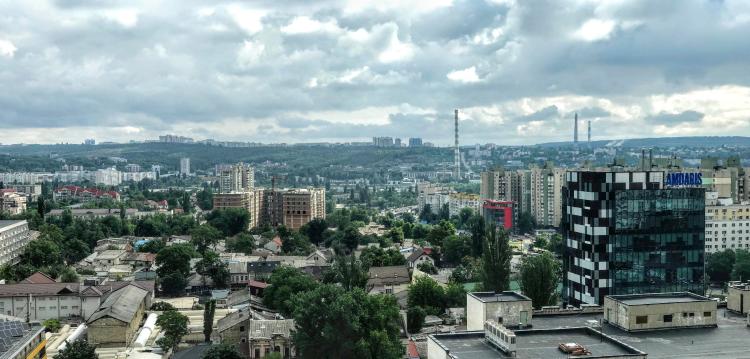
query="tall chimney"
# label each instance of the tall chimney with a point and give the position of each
(589, 139)
(575, 129)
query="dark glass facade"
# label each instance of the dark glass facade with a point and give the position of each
(625, 233)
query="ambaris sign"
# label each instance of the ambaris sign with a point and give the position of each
(681, 179)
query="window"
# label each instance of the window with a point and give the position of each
(706, 314)
(668, 318)
(692, 315)
(641, 319)
(242, 328)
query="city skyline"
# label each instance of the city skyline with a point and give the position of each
(347, 71)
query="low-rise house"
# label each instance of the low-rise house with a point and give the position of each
(274, 245)
(321, 256)
(117, 320)
(389, 280)
(109, 258)
(418, 256)
(139, 259)
(266, 336)
(83, 194)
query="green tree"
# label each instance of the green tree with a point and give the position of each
(284, 283)
(174, 325)
(162, 306)
(719, 265)
(351, 238)
(426, 214)
(454, 248)
(208, 320)
(79, 349)
(211, 266)
(464, 217)
(377, 257)
(205, 236)
(526, 223)
(314, 230)
(41, 209)
(42, 253)
(455, 296)
(425, 292)
(173, 284)
(555, 244)
(241, 243)
(427, 267)
(415, 319)
(173, 259)
(438, 233)
(69, 275)
(496, 257)
(349, 273)
(153, 246)
(396, 235)
(229, 221)
(335, 323)
(741, 268)
(539, 276)
(223, 351)
(477, 228)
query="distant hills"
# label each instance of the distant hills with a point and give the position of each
(693, 141)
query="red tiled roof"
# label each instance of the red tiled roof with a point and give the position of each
(257, 284)
(38, 278)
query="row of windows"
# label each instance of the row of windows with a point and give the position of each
(739, 224)
(667, 318)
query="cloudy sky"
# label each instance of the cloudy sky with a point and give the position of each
(329, 70)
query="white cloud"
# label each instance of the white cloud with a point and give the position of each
(250, 53)
(401, 6)
(595, 30)
(249, 20)
(7, 48)
(396, 51)
(468, 75)
(306, 25)
(126, 18)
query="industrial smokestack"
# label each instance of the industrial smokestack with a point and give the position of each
(650, 159)
(456, 152)
(575, 129)
(589, 139)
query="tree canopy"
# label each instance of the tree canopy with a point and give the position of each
(539, 276)
(496, 257)
(284, 283)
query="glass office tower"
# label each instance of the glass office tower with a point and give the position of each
(628, 233)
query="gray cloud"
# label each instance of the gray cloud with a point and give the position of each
(675, 118)
(190, 67)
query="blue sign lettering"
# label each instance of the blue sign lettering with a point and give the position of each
(683, 179)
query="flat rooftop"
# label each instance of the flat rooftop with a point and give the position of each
(728, 340)
(535, 343)
(506, 296)
(665, 298)
(8, 222)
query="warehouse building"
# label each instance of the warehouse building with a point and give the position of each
(116, 322)
(639, 312)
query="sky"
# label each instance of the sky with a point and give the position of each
(338, 71)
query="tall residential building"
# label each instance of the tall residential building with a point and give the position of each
(397, 142)
(382, 141)
(459, 201)
(415, 142)
(302, 205)
(546, 195)
(631, 232)
(185, 166)
(506, 185)
(237, 178)
(12, 202)
(434, 195)
(14, 236)
(290, 207)
(727, 227)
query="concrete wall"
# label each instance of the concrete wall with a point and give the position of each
(684, 315)
(435, 350)
(735, 299)
(111, 332)
(477, 312)
(234, 336)
(43, 307)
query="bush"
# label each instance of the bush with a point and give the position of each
(52, 325)
(162, 306)
(415, 319)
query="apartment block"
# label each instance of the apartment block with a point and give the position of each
(12, 202)
(14, 236)
(459, 201)
(727, 227)
(237, 178)
(290, 207)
